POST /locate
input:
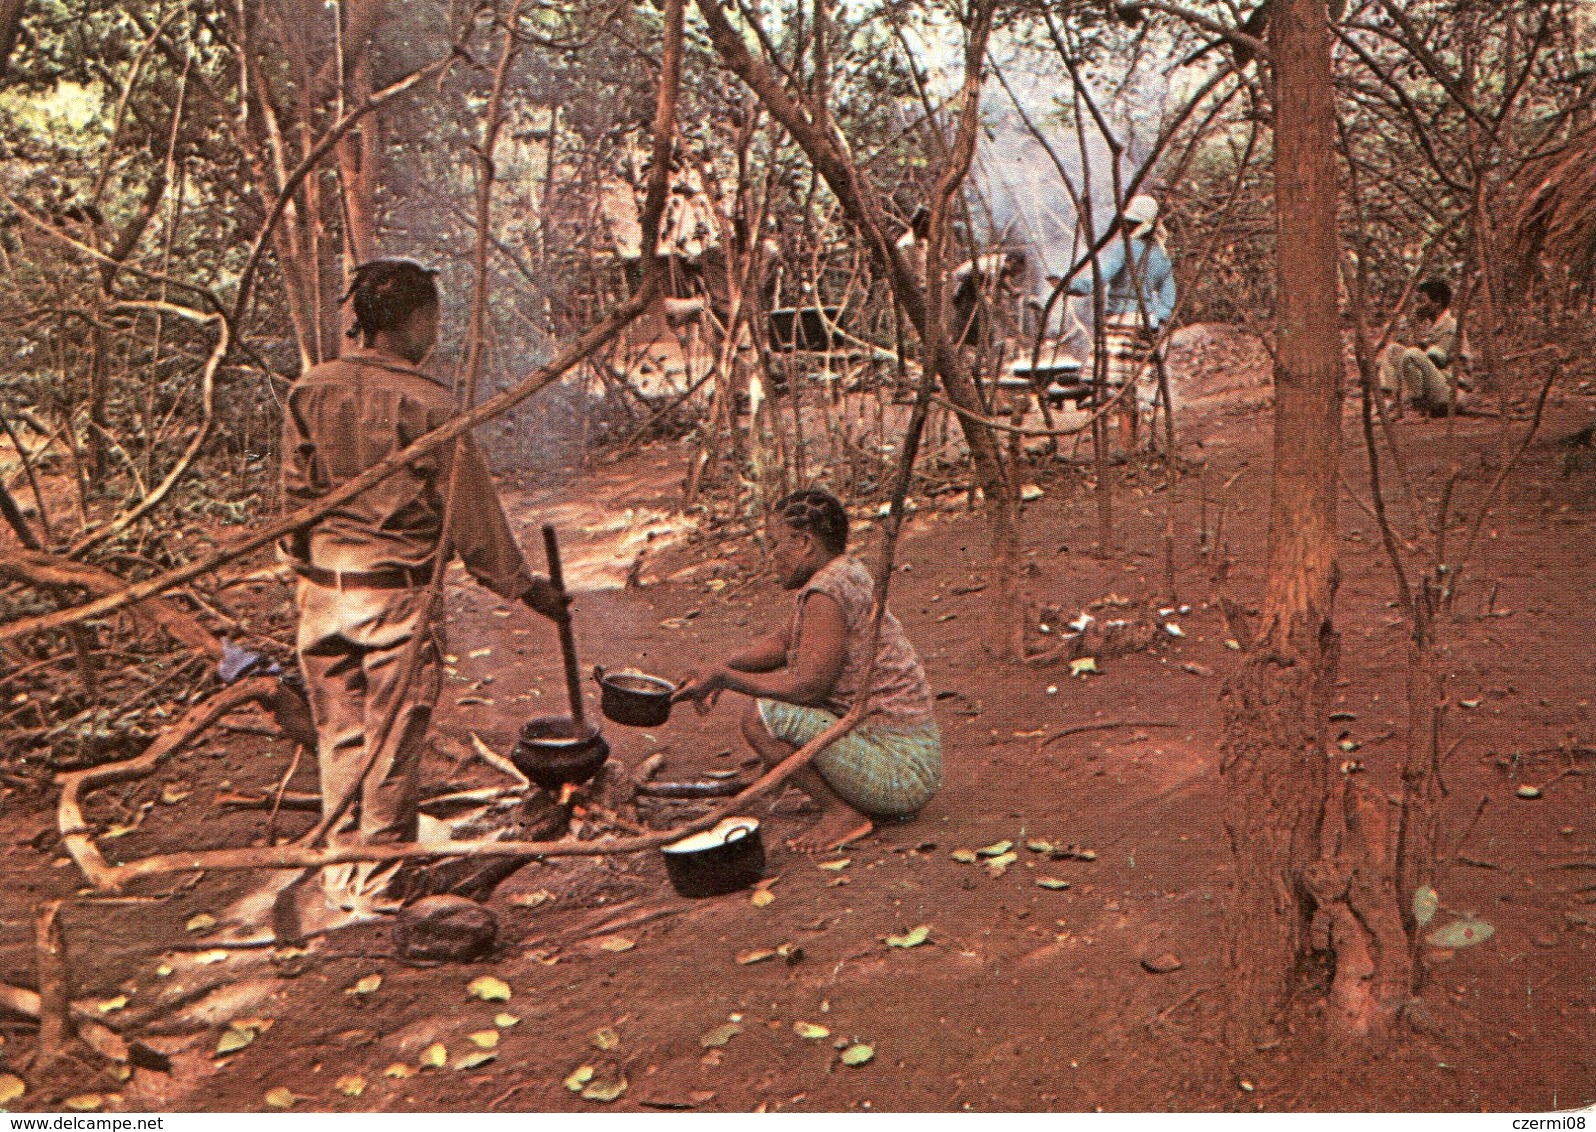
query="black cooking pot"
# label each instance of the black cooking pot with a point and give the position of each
(634, 698)
(717, 861)
(552, 753)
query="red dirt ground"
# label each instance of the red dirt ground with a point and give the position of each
(1023, 998)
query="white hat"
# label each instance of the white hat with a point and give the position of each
(1143, 209)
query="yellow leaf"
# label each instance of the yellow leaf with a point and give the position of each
(1083, 665)
(111, 1004)
(164, 970)
(579, 1077)
(174, 792)
(280, 1097)
(757, 956)
(604, 1091)
(11, 1088)
(835, 866)
(964, 856)
(399, 1070)
(505, 1021)
(215, 955)
(85, 1102)
(617, 943)
(605, 1037)
(996, 849)
(912, 938)
(233, 1039)
(810, 1031)
(531, 899)
(352, 1085)
(365, 985)
(484, 1039)
(472, 1060)
(720, 1035)
(435, 1056)
(489, 989)
(762, 898)
(857, 1054)
(201, 922)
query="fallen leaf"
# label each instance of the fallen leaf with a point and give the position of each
(531, 899)
(351, 1086)
(472, 1060)
(1082, 665)
(11, 1087)
(1471, 704)
(605, 1091)
(475, 653)
(1053, 883)
(280, 1097)
(484, 1039)
(792, 954)
(809, 1031)
(617, 943)
(1528, 791)
(964, 856)
(1163, 963)
(399, 1070)
(233, 1039)
(202, 922)
(720, 1035)
(604, 1037)
(365, 985)
(996, 849)
(112, 1004)
(174, 792)
(757, 956)
(579, 1077)
(1039, 846)
(164, 970)
(505, 1021)
(914, 937)
(1426, 902)
(835, 866)
(762, 898)
(215, 955)
(85, 1102)
(998, 865)
(1461, 933)
(489, 989)
(1039, 733)
(857, 1054)
(435, 1056)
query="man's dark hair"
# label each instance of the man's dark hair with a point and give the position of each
(386, 292)
(1439, 292)
(817, 513)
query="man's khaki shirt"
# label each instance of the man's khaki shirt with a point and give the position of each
(346, 415)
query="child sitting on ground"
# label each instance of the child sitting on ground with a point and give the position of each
(803, 678)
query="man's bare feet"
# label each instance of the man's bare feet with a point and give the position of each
(839, 825)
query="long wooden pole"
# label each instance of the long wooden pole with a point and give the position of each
(573, 682)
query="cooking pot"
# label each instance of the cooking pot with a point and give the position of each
(634, 698)
(717, 861)
(552, 752)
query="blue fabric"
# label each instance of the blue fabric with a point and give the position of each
(1120, 296)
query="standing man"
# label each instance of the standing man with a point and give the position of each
(1138, 299)
(370, 640)
(1422, 375)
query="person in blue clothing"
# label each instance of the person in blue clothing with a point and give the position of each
(1138, 299)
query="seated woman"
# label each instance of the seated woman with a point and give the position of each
(805, 677)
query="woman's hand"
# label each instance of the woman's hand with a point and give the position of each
(703, 686)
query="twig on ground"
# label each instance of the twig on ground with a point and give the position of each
(1083, 727)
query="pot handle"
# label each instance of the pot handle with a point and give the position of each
(598, 673)
(741, 832)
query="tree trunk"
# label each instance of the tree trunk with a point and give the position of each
(1275, 764)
